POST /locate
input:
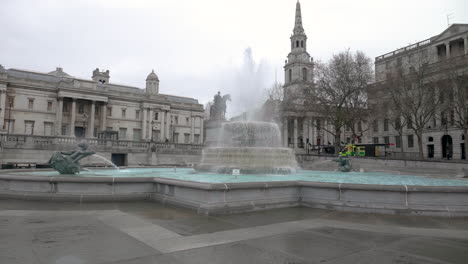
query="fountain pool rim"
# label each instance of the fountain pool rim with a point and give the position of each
(221, 198)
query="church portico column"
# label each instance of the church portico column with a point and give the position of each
(168, 124)
(201, 131)
(58, 117)
(72, 118)
(447, 49)
(90, 131)
(143, 124)
(285, 132)
(295, 132)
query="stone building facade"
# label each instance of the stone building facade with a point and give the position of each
(442, 137)
(57, 104)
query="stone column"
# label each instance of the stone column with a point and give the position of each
(201, 131)
(192, 129)
(91, 120)
(150, 124)
(143, 124)
(103, 116)
(465, 39)
(285, 132)
(58, 117)
(311, 131)
(305, 131)
(162, 128)
(72, 118)
(295, 132)
(168, 124)
(2, 108)
(447, 48)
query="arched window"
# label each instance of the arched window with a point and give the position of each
(297, 43)
(290, 75)
(304, 74)
(302, 43)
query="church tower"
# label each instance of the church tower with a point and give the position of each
(298, 68)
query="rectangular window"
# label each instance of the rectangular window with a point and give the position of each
(443, 118)
(30, 104)
(348, 140)
(187, 120)
(348, 128)
(409, 123)
(196, 139)
(176, 138)
(123, 133)
(97, 111)
(186, 138)
(10, 125)
(386, 140)
(375, 125)
(375, 140)
(385, 124)
(359, 126)
(95, 132)
(49, 105)
(176, 120)
(156, 116)
(398, 141)
(410, 141)
(137, 114)
(80, 108)
(29, 127)
(318, 124)
(124, 113)
(136, 134)
(65, 107)
(11, 101)
(48, 128)
(64, 130)
(397, 123)
(109, 111)
(452, 117)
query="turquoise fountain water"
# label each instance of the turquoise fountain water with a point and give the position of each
(189, 174)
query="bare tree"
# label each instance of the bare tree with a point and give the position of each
(340, 96)
(412, 91)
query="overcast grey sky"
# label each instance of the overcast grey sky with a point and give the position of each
(197, 47)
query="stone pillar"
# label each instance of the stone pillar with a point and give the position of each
(447, 49)
(162, 128)
(311, 131)
(103, 117)
(295, 132)
(150, 124)
(305, 131)
(72, 118)
(2, 108)
(168, 124)
(91, 120)
(192, 129)
(201, 131)
(143, 124)
(465, 39)
(285, 132)
(58, 117)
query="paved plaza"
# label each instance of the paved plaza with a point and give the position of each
(145, 232)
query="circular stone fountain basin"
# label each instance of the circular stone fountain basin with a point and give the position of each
(210, 193)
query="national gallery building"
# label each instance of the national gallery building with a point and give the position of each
(56, 107)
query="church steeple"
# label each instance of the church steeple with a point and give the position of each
(298, 29)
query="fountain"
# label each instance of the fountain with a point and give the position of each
(252, 147)
(69, 162)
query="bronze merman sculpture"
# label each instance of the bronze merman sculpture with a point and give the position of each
(68, 162)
